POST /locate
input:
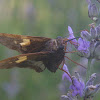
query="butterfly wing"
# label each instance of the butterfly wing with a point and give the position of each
(23, 44)
(37, 61)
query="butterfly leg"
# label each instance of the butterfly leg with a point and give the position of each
(75, 62)
(71, 52)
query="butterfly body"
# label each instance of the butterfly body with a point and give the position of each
(38, 53)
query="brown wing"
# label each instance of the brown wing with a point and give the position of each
(23, 44)
(37, 61)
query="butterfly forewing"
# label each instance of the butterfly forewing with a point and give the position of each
(23, 44)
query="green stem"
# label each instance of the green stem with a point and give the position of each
(89, 70)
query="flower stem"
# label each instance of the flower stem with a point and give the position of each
(89, 70)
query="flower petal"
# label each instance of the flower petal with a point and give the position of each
(77, 86)
(71, 36)
(65, 75)
(83, 45)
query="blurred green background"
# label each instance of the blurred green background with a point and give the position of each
(48, 18)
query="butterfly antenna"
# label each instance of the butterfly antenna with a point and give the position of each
(71, 39)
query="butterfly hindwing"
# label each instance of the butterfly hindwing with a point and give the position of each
(37, 61)
(31, 60)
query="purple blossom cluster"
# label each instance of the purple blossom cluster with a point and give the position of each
(88, 46)
(78, 86)
(88, 43)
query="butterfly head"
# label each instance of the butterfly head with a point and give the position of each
(60, 43)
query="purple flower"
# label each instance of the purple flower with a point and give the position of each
(77, 87)
(65, 75)
(83, 45)
(86, 35)
(71, 34)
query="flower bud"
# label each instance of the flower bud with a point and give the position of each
(83, 47)
(91, 90)
(93, 12)
(93, 32)
(97, 51)
(91, 79)
(85, 35)
(97, 88)
(69, 97)
(98, 31)
(64, 97)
